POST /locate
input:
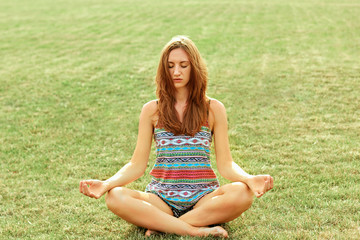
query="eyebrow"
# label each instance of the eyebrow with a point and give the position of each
(180, 62)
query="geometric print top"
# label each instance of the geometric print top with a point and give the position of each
(182, 173)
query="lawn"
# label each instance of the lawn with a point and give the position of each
(75, 74)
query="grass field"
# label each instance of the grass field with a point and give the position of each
(75, 74)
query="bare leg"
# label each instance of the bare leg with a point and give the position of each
(149, 211)
(223, 205)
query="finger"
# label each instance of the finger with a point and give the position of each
(83, 190)
(258, 194)
(86, 190)
(271, 182)
(265, 186)
(80, 186)
(87, 182)
(268, 185)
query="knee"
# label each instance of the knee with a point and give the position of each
(239, 196)
(115, 197)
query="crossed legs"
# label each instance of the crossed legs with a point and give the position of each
(223, 205)
(149, 211)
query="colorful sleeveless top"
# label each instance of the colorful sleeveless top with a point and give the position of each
(182, 174)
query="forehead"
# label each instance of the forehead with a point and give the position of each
(178, 55)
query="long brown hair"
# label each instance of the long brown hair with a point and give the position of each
(197, 103)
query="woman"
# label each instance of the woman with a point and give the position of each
(184, 196)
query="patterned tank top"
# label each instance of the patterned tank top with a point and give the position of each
(182, 173)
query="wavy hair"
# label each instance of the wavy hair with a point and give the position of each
(197, 106)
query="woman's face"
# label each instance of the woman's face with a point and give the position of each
(179, 67)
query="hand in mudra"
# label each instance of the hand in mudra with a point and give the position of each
(260, 184)
(93, 188)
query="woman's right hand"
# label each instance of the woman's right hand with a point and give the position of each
(93, 188)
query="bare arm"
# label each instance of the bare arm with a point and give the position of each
(226, 166)
(138, 163)
(136, 167)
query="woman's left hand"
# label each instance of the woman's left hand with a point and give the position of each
(260, 184)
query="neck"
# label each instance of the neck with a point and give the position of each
(181, 96)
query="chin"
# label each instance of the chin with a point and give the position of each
(178, 86)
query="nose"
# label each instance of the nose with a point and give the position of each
(177, 71)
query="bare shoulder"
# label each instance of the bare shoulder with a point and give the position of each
(217, 112)
(149, 111)
(150, 107)
(216, 106)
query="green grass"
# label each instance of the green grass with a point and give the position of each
(75, 74)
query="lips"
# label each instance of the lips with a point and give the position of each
(177, 79)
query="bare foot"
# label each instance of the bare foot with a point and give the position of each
(151, 232)
(214, 231)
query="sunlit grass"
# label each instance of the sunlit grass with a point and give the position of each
(75, 74)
